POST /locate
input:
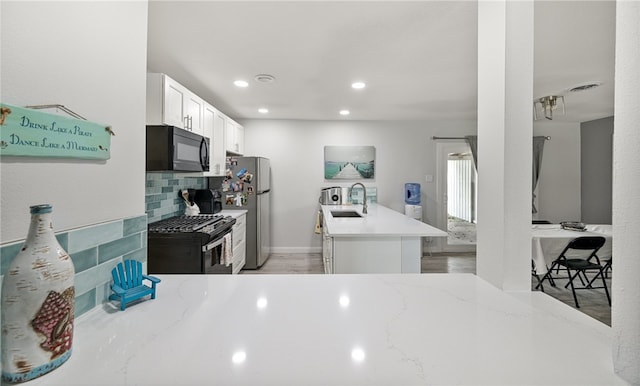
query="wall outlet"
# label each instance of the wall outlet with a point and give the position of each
(429, 178)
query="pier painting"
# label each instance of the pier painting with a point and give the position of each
(349, 162)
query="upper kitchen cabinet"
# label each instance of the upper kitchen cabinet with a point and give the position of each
(214, 128)
(234, 137)
(195, 110)
(170, 103)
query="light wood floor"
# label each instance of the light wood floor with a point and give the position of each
(592, 302)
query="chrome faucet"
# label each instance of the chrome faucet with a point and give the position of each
(364, 196)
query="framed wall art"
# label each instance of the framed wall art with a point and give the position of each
(349, 162)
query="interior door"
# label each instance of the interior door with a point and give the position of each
(461, 231)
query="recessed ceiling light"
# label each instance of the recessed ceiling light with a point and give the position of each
(357, 354)
(239, 357)
(345, 112)
(585, 86)
(262, 303)
(264, 78)
(263, 110)
(358, 85)
(241, 83)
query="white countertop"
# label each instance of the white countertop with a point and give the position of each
(235, 213)
(379, 221)
(404, 329)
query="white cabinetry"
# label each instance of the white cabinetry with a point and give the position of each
(213, 128)
(194, 107)
(170, 103)
(327, 250)
(171, 108)
(234, 137)
(239, 243)
(368, 255)
(240, 138)
(380, 241)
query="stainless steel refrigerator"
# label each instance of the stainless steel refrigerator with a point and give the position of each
(247, 186)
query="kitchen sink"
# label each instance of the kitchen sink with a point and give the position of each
(345, 213)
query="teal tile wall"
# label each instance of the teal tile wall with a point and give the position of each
(95, 250)
(356, 196)
(162, 193)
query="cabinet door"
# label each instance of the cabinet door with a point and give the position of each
(208, 122)
(172, 106)
(234, 134)
(194, 107)
(327, 253)
(239, 257)
(327, 249)
(218, 152)
(239, 244)
(230, 135)
(239, 139)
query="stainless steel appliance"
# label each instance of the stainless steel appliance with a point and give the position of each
(247, 186)
(208, 200)
(188, 244)
(331, 196)
(171, 148)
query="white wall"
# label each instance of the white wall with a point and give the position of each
(559, 183)
(596, 143)
(625, 312)
(91, 58)
(405, 152)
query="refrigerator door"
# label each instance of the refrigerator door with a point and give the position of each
(263, 236)
(251, 193)
(263, 174)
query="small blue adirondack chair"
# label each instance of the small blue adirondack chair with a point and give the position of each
(127, 283)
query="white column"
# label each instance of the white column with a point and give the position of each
(505, 130)
(625, 312)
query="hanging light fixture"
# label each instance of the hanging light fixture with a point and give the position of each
(546, 106)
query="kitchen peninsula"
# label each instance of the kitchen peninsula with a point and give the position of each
(378, 241)
(425, 329)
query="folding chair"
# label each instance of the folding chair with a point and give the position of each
(579, 265)
(606, 268)
(534, 273)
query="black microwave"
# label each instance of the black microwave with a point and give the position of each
(171, 148)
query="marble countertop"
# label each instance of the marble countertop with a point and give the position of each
(235, 213)
(379, 221)
(404, 329)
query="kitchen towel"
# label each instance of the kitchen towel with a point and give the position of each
(227, 250)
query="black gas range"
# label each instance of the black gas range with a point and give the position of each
(190, 244)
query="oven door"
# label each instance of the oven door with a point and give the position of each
(212, 255)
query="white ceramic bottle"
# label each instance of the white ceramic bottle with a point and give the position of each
(37, 304)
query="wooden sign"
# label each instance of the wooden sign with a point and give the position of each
(33, 133)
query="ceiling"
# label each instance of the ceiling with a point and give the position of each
(417, 58)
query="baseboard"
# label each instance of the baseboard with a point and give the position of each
(291, 250)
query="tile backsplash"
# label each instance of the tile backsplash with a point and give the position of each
(95, 250)
(162, 197)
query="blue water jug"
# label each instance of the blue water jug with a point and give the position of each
(412, 193)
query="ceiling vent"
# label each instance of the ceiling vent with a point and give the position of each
(264, 78)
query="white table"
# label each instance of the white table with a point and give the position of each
(547, 241)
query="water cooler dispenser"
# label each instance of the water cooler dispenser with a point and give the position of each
(412, 207)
